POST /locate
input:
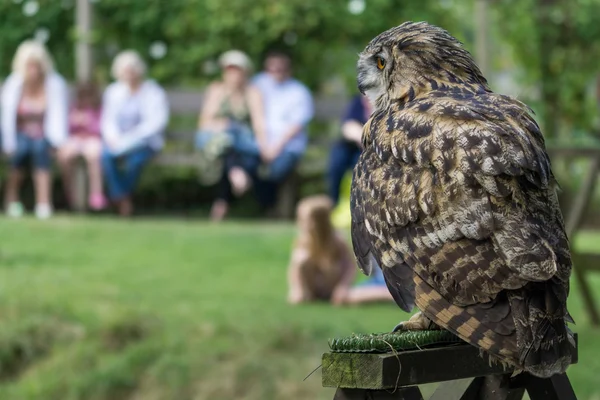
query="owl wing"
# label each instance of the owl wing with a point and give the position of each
(458, 191)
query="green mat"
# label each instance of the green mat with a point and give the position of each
(397, 341)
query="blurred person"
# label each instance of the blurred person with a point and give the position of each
(84, 141)
(372, 290)
(322, 266)
(232, 115)
(288, 110)
(345, 151)
(34, 120)
(135, 113)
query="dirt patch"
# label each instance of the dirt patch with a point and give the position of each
(25, 343)
(126, 330)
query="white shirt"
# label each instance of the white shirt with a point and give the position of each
(131, 120)
(56, 125)
(286, 104)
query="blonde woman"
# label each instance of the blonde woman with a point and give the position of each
(135, 113)
(233, 112)
(34, 120)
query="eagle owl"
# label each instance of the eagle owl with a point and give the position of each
(454, 199)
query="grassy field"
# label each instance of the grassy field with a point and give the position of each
(103, 309)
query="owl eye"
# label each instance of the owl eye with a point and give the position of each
(380, 63)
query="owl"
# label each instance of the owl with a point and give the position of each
(454, 199)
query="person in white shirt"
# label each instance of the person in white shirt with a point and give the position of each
(135, 113)
(34, 120)
(288, 109)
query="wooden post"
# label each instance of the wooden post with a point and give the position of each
(574, 220)
(83, 47)
(482, 36)
(83, 71)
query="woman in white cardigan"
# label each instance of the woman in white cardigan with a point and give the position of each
(34, 120)
(135, 113)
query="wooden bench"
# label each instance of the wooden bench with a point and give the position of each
(583, 262)
(179, 149)
(464, 373)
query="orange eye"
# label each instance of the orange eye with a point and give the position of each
(380, 63)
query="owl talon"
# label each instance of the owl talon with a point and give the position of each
(418, 322)
(399, 327)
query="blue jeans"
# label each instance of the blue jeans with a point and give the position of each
(269, 177)
(123, 172)
(239, 137)
(376, 279)
(38, 150)
(343, 157)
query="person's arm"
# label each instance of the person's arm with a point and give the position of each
(57, 114)
(8, 114)
(341, 290)
(207, 119)
(303, 113)
(257, 116)
(155, 117)
(109, 128)
(296, 292)
(351, 126)
(94, 122)
(352, 130)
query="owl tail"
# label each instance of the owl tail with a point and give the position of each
(545, 341)
(522, 328)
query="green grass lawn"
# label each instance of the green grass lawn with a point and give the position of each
(106, 309)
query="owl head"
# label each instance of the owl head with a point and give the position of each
(412, 58)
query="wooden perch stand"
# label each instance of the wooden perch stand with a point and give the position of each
(465, 375)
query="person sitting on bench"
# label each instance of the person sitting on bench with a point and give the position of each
(135, 113)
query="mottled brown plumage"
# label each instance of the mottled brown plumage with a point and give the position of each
(454, 198)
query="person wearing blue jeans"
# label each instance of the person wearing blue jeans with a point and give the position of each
(122, 172)
(135, 113)
(35, 149)
(345, 151)
(33, 108)
(288, 109)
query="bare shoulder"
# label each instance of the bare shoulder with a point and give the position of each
(215, 88)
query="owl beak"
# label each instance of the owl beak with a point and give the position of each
(361, 89)
(361, 84)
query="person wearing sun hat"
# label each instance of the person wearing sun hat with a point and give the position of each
(230, 127)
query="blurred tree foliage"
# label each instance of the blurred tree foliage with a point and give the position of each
(557, 43)
(323, 36)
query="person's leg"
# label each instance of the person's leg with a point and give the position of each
(369, 294)
(272, 176)
(282, 166)
(112, 175)
(42, 177)
(242, 172)
(243, 139)
(135, 162)
(66, 155)
(220, 206)
(340, 157)
(15, 176)
(92, 152)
